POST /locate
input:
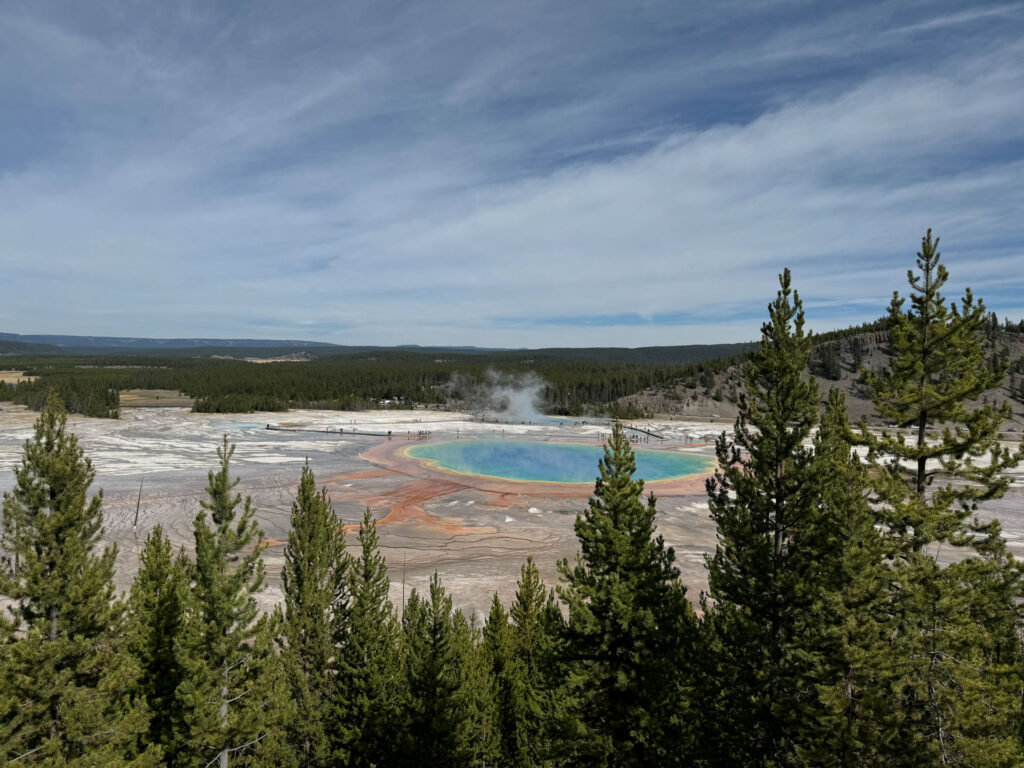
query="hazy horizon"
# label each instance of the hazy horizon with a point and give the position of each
(40, 338)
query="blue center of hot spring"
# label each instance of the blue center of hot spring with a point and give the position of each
(548, 462)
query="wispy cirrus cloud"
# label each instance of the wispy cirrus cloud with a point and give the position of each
(516, 175)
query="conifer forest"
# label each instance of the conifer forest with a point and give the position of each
(831, 632)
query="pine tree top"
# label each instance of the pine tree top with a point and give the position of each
(937, 363)
(52, 527)
(616, 532)
(314, 576)
(228, 567)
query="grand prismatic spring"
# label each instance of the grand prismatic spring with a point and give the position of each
(547, 462)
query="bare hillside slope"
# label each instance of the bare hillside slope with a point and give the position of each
(836, 363)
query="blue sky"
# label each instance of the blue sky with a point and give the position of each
(500, 174)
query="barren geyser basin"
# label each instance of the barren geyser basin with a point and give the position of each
(547, 462)
(468, 499)
(465, 515)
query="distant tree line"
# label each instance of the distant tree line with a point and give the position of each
(83, 394)
(355, 382)
(831, 634)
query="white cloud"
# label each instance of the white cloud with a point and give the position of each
(424, 185)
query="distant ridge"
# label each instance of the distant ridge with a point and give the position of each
(687, 353)
(421, 348)
(8, 347)
(128, 342)
(61, 344)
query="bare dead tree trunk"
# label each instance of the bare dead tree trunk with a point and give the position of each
(224, 717)
(55, 705)
(922, 420)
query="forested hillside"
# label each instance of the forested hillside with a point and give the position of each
(569, 385)
(629, 383)
(838, 360)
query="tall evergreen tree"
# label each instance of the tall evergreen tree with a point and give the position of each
(370, 694)
(936, 364)
(479, 729)
(156, 610)
(951, 655)
(521, 647)
(631, 628)
(764, 500)
(9, 703)
(986, 591)
(448, 719)
(534, 638)
(509, 676)
(316, 616)
(235, 696)
(68, 677)
(844, 639)
(561, 731)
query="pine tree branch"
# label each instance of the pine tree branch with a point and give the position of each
(16, 758)
(232, 750)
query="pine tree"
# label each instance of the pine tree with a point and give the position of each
(535, 631)
(509, 676)
(985, 592)
(845, 640)
(68, 677)
(522, 658)
(951, 655)
(234, 694)
(936, 364)
(630, 627)
(561, 732)
(764, 500)
(316, 616)
(156, 609)
(9, 703)
(447, 720)
(370, 694)
(478, 734)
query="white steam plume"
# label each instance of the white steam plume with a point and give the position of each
(505, 396)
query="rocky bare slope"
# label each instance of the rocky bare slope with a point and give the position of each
(835, 363)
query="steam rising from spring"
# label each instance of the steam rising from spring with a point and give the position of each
(505, 396)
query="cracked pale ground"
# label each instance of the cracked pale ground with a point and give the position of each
(475, 533)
